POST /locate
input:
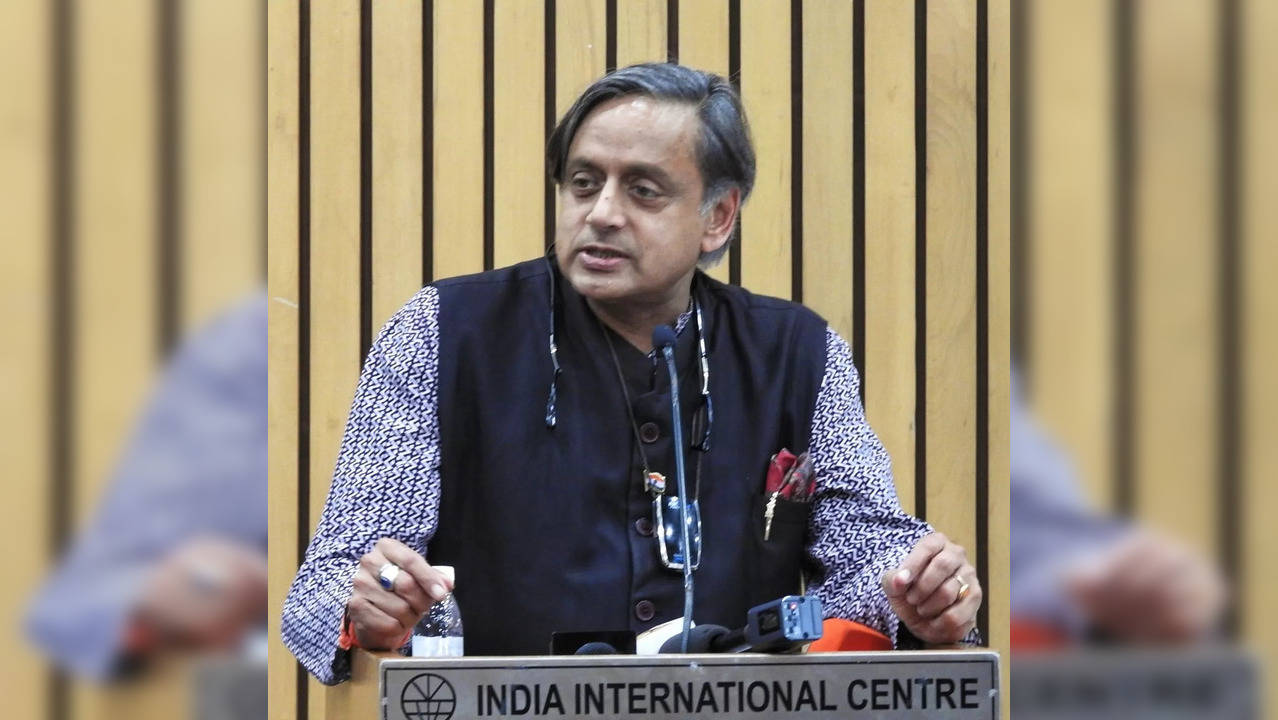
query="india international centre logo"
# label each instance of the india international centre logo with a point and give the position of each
(428, 697)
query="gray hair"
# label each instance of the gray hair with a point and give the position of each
(725, 155)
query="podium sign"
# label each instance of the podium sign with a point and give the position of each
(1221, 683)
(932, 684)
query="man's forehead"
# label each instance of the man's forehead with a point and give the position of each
(636, 125)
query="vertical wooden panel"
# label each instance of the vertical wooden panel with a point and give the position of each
(397, 155)
(1259, 255)
(827, 162)
(221, 155)
(335, 227)
(703, 44)
(115, 249)
(641, 31)
(1176, 268)
(580, 45)
(951, 254)
(999, 333)
(703, 35)
(1071, 354)
(519, 166)
(282, 166)
(765, 89)
(25, 357)
(581, 39)
(115, 244)
(889, 234)
(459, 138)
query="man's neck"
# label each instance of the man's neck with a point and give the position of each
(634, 323)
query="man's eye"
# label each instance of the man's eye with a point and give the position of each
(582, 183)
(646, 192)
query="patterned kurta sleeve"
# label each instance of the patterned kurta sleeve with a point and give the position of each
(859, 530)
(386, 483)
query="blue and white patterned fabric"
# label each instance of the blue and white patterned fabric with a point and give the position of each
(196, 465)
(387, 484)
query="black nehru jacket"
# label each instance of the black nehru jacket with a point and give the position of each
(550, 528)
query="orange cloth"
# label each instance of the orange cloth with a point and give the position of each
(839, 635)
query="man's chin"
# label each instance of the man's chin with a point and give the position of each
(601, 287)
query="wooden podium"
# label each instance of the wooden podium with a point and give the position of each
(925, 684)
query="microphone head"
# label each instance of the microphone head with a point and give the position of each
(663, 336)
(596, 648)
(700, 638)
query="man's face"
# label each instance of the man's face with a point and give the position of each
(630, 226)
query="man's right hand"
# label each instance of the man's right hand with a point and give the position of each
(380, 618)
(1149, 588)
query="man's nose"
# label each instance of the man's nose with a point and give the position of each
(606, 213)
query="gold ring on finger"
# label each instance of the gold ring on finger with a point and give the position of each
(963, 590)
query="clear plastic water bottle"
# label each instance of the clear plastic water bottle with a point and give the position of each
(439, 632)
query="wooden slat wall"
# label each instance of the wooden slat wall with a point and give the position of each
(1071, 314)
(705, 42)
(1146, 243)
(889, 370)
(1174, 241)
(1259, 255)
(134, 204)
(882, 201)
(284, 164)
(25, 373)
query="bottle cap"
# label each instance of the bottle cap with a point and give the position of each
(448, 571)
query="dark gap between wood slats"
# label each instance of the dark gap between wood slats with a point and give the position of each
(982, 314)
(858, 192)
(548, 60)
(168, 177)
(365, 179)
(61, 298)
(489, 30)
(610, 36)
(920, 259)
(303, 317)
(428, 141)
(1230, 443)
(734, 75)
(1124, 273)
(1022, 243)
(796, 150)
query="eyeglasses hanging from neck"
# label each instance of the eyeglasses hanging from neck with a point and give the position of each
(669, 511)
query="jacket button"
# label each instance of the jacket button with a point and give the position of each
(643, 526)
(649, 432)
(645, 610)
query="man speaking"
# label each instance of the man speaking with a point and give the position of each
(517, 425)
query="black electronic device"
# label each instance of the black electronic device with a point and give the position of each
(589, 642)
(779, 625)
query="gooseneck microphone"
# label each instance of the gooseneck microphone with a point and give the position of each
(663, 339)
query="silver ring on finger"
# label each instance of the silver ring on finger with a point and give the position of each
(963, 590)
(387, 574)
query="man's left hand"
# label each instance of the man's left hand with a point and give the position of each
(927, 592)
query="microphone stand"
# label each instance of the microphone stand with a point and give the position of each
(663, 337)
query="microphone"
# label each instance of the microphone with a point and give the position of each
(702, 639)
(780, 625)
(663, 338)
(596, 648)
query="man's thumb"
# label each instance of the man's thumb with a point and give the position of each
(896, 582)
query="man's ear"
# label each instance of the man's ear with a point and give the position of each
(721, 218)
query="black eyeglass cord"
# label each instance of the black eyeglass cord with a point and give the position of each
(552, 413)
(702, 422)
